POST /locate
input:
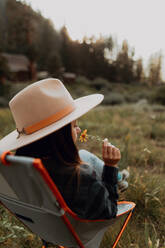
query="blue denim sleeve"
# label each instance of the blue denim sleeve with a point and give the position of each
(94, 161)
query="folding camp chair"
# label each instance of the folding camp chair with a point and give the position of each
(27, 190)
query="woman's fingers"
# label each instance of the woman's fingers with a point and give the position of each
(118, 154)
(111, 154)
(105, 152)
(110, 150)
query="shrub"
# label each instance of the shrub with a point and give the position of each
(157, 132)
(101, 83)
(113, 99)
(5, 89)
(159, 96)
(83, 80)
(135, 97)
(158, 108)
(4, 69)
(3, 102)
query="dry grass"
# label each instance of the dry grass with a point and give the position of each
(139, 131)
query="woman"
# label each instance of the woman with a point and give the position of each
(45, 116)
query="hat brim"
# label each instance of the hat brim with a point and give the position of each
(83, 105)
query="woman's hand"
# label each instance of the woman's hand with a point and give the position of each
(111, 154)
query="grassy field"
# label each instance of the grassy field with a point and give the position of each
(139, 131)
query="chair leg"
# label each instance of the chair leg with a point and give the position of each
(44, 244)
(122, 230)
(118, 236)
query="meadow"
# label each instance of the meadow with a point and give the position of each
(138, 130)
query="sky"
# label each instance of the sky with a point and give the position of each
(140, 22)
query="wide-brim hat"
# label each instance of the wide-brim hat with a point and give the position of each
(43, 108)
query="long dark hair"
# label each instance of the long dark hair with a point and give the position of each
(58, 146)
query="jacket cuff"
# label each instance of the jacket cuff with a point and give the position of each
(110, 174)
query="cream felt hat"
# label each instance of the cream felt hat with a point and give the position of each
(42, 108)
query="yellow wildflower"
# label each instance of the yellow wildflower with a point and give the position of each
(83, 136)
(127, 137)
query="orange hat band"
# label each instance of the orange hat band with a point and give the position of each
(46, 122)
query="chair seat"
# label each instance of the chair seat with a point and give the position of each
(36, 201)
